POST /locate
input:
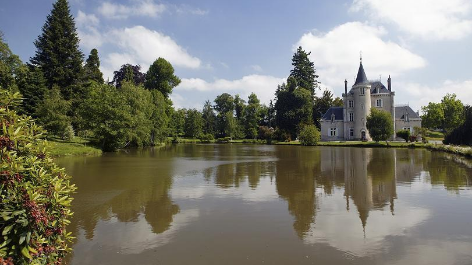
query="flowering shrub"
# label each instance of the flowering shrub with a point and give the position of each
(35, 194)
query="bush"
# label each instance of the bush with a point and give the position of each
(281, 135)
(35, 194)
(309, 135)
(380, 125)
(224, 140)
(404, 134)
(265, 133)
(206, 138)
(413, 138)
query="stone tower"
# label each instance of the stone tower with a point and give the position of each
(362, 104)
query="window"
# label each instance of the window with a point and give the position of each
(407, 128)
(332, 117)
(351, 116)
(332, 131)
(351, 103)
(362, 91)
(351, 132)
(407, 119)
(379, 103)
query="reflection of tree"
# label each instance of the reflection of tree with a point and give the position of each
(296, 170)
(125, 187)
(449, 170)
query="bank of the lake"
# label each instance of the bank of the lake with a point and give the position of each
(75, 147)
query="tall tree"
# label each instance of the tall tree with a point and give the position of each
(161, 76)
(193, 123)
(92, 67)
(304, 71)
(239, 105)
(294, 107)
(209, 118)
(226, 124)
(9, 65)
(453, 112)
(130, 73)
(252, 115)
(433, 116)
(57, 49)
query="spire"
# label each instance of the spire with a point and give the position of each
(361, 77)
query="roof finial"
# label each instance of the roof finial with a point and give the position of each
(361, 55)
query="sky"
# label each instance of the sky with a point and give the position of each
(246, 46)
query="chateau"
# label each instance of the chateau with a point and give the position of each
(349, 122)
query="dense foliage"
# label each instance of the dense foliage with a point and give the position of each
(309, 135)
(304, 71)
(35, 194)
(462, 135)
(160, 76)
(404, 134)
(446, 115)
(380, 125)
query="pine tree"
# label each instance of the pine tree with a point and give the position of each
(304, 71)
(92, 67)
(58, 53)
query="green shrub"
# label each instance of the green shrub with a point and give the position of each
(207, 138)
(404, 134)
(309, 135)
(35, 194)
(223, 140)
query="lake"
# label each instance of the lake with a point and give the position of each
(262, 204)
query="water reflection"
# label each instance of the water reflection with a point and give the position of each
(363, 205)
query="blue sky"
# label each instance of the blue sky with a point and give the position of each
(241, 47)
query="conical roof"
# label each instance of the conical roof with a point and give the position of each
(361, 77)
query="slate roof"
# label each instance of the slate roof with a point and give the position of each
(401, 111)
(361, 77)
(338, 113)
(377, 87)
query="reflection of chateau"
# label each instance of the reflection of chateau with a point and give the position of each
(369, 177)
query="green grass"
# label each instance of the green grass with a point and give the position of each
(75, 147)
(458, 150)
(359, 144)
(434, 136)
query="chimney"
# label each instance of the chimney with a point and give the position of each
(345, 87)
(389, 81)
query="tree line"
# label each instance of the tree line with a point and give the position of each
(451, 117)
(68, 96)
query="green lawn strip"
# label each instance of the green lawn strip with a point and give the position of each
(75, 147)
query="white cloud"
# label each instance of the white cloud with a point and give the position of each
(141, 8)
(428, 19)
(263, 86)
(84, 20)
(89, 35)
(256, 68)
(185, 9)
(423, 94)
(142, 46)
(336, 54)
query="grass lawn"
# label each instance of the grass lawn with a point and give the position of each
(434, 136)
(75, 147)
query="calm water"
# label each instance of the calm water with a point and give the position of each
(248, 204)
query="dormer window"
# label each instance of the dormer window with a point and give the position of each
(407, 118)
(333, 117)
